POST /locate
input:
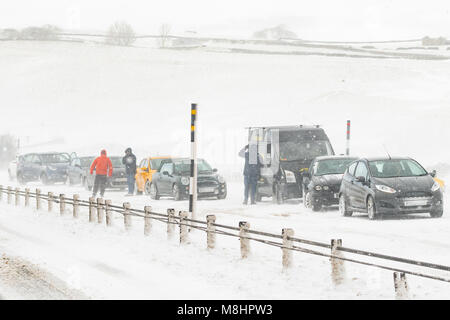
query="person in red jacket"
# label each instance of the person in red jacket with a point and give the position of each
(103, 169)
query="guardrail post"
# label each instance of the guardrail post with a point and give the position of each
(62, 204)
(337, 265)
(1, 193)
(245, 242)
(38, 199)
(183, 227)
(287, 244)
(27, 197)
(76, 198)
(108, 213)
(50, 201)
(400, 286)
(147, 220)
(17, 199)
(170, 222)
(127, 215)
(9, 195)
(211, 231)
(100, 203)
(91, 209)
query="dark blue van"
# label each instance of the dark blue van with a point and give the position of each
(45, 167)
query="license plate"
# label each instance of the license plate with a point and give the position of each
(336, 195)
(413, 203)
(120, 180)
(206, 190)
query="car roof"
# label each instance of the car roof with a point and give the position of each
(385, 158)
(336, 157)
(154, 158)
(183, 159)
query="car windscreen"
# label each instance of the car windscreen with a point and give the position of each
(156, 163)
(117, 162)
(55, 158)
(184, 166)
(299, 150)
(331, 166)
(396, 168)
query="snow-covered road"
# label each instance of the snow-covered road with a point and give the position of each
(110, 263)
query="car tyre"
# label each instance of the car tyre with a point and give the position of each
(138, 193)
(154, 192)
(44, 179)
(86, 185)
(147, 187)
(437, 213)
(307, 200)
(176, 192)
(277, 196)
(372, 209)
(20, 178)
(343, 207)
(224, 196)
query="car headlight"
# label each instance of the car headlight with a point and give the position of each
(220, 179)
(185, 181)
(51, 168)
(384, 188)
(290, 177)
(318, 188)
(326, 188)
(436, 186)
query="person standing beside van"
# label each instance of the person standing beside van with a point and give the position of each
(103, 169)
(252, 172)
(129, 160)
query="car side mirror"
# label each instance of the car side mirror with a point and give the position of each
(433, 173)
(361, 179)
(215, 170)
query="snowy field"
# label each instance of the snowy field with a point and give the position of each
(89, 97)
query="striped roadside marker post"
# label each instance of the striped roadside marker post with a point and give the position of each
(348, 138)
(193, 176)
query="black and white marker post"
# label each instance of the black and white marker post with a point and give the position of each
(348, 138)
(193, 177)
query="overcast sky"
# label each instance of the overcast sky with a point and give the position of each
(313, 19)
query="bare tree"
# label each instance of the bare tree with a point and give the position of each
(164, 31)
(46, 32)
(121, 34)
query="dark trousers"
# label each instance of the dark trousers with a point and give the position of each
(99, 184)
(250, 188)
(130, 181)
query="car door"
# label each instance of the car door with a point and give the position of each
(347, 183)
(35, 167)
(360, 187)
(141, 174)
(164, 183)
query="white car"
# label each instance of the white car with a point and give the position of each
(12, 170)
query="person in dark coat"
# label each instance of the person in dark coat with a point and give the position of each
(252, 172)
(129, 160)
(103, 169)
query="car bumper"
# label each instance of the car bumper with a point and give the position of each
(390, 204)
(325, 198)
(206, 192)
(56, 177)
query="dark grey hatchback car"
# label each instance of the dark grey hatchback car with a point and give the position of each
(389, 186)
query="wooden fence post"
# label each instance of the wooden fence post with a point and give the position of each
(337, 265)
(27, 197)
(245, 242)
(170, 222)
(17, 197)
(147, 220)
(38, 199)
(62, 204)
(287, 244)
(91, 209)
(76, 199)
(127, 215)
(400, 286)
(1, 193)
(50, 201)
(108, 213)
(211, 231)
(100, 210)
(183, 227)
(9, 195)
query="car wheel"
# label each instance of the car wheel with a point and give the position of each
(139, 193)
(437, 213)
(147, 187)
(176, 192)
(224, 196)
(154, 192)
(316, 207)
(371, 209)
(86, 184)
(307, 199)
(277, 196)
(258, 197)
(343, 207)
(44, 179)
(68, 181)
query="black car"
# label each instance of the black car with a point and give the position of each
(45, 167)
(323, 180)
(117, 181)
(172, 179)
(78, 169)
(389, 186)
